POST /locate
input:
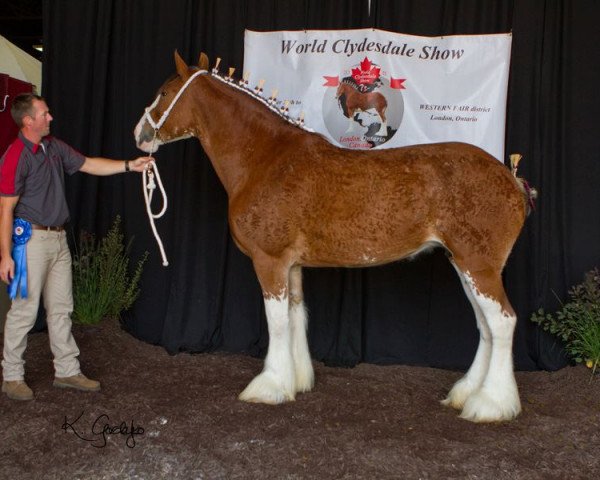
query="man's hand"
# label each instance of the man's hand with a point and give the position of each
(139, 164)
(7, 269)
(7, 264)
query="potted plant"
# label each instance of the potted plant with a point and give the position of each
(577, 323)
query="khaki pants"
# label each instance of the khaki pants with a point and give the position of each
(48, 273)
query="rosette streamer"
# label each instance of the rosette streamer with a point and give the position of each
(20, 237)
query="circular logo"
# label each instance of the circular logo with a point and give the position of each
(362, 111)
(21, 231)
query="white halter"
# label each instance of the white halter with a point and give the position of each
(156, 126)
(148, 176)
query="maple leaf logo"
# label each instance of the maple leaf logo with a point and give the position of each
(367, 74)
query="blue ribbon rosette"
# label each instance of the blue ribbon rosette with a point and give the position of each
(20, 237)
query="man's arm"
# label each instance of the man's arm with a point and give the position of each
(7, 265)
(106, 166)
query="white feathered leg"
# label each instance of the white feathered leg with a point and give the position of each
(305, 377)
(498, 398)
(474, 377)
(276, 383)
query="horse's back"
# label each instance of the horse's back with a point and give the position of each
(434, 172)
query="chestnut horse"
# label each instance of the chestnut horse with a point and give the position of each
(296, 200)
(352, 101)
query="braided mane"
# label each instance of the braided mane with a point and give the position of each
(256, 94)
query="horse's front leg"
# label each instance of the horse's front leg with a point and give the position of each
(305, 377)
(351, 122)
(276, 383)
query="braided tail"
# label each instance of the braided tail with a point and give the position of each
(529, 193)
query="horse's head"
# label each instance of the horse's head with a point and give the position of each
(167, 119)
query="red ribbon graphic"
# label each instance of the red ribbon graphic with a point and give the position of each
(397, 83)
(331, 81)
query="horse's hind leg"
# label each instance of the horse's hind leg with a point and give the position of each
(497, 398)
(276, 383)
(479, 368)
(383, 128)
(305, 377)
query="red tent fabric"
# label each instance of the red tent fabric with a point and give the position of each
(9, 87)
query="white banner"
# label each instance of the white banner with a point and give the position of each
(370, 88)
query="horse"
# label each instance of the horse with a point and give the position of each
(352, 101)
(295, 200)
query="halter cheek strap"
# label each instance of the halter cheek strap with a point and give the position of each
(156, 125)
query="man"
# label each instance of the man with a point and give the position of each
(32, 189)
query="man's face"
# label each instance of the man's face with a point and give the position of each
(39, 121)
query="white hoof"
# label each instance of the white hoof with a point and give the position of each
(459, 393)
(482, 407)
(305, 377)
(266, 388)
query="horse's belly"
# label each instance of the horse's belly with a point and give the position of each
(364, 251)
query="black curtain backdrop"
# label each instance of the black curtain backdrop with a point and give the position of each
(104, 61)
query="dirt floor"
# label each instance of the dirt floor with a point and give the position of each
(177, 417)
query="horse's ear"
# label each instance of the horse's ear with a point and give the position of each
(181, 66)
(203, 61)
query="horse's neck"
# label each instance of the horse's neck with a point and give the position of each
(232, 130)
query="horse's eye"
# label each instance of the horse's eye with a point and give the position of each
(163, 93)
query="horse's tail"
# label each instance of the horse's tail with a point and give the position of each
(529, 193)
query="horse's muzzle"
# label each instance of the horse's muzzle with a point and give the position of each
(144, 137)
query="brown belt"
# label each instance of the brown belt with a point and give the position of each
(48, 229)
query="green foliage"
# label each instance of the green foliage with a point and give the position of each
(102, 286)
(577, 323)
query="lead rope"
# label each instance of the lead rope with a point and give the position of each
(151, 169)
(149, 185)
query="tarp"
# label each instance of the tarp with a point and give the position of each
(19, 64)
(19, 73)
(9, 88)
(370, 88)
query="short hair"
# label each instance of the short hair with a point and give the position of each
(22, 106)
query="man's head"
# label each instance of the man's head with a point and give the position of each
(31, 114)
